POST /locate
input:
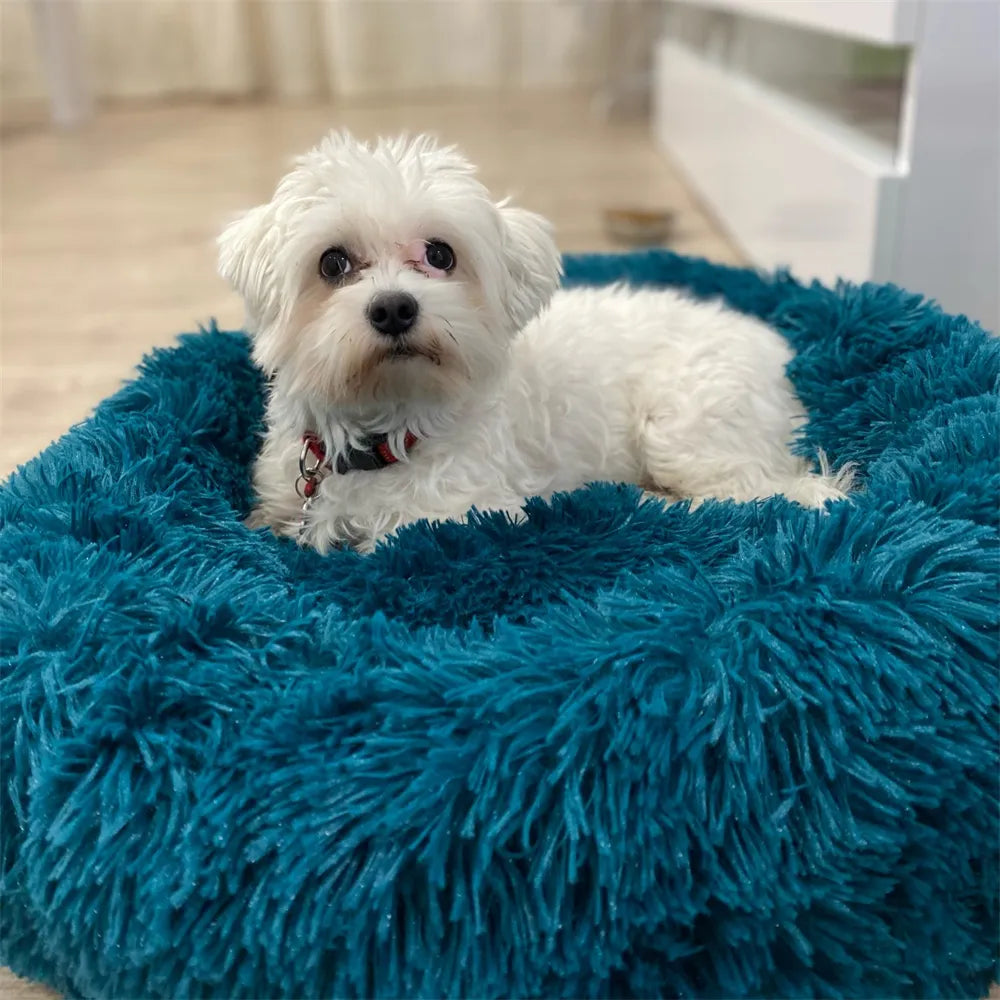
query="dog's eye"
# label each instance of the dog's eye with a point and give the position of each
(439, 255)
(334, 264)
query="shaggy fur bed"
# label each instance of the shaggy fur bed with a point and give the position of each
(617, 750)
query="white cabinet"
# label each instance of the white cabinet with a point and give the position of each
(797, 184)
(885, 22)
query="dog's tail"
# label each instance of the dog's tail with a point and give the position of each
(816, 489)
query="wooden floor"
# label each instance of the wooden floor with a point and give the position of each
(107, 235)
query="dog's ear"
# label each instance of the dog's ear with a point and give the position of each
(247, 248)
(532, 260)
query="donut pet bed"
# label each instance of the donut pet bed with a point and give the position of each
(622, 749)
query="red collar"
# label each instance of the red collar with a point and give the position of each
(376, 454)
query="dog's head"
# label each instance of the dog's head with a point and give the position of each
(386, 275)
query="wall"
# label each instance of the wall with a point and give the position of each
(349, 49)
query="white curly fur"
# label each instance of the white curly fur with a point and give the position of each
(514, 389)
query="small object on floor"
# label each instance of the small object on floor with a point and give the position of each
(637, 227)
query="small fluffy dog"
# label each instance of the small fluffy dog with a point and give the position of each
(423, 363)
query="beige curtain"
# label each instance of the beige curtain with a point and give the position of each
(308, 49)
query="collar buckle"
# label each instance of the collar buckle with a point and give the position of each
(310, 474)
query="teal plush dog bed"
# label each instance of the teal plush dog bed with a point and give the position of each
(619, 750)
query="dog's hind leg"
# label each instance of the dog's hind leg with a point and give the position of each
(739, 457)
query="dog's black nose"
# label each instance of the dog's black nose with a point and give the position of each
(393, 313)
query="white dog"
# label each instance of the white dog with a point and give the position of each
(423, 364)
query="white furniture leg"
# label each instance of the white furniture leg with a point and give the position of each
(57, 26)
